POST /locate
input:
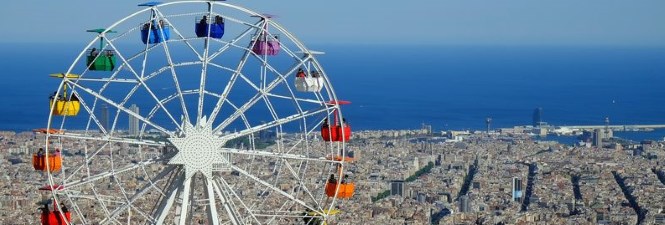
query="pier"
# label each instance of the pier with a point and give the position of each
(615, 127)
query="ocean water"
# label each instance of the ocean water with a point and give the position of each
(401, 87)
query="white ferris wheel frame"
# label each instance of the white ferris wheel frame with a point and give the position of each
(216, 189)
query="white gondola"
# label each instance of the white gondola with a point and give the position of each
(309, 84)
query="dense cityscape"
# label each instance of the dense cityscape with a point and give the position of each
(496, 176)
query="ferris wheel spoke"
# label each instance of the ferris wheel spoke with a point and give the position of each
(275, 155)
(233, 41)
(229, 189)
(109, 80)
(101, 203)
(86, 161)
(301, 183)
(118, 171)
(145, 86)
(171, 98)
(272, 124)
(273, 188)
(229, 85)
(204, 73)
(129, 112)
(148, 186)
(109, 139)
(77, 209)
(224, 96)
(314, 101)
(253, 100)
(93, 117)
(177, 85)
(175, 29)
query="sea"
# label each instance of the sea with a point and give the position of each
(403, 86)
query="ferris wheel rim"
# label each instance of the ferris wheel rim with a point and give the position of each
(65, 81)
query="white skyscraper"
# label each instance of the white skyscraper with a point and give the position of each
(104, 117)
(133, 121)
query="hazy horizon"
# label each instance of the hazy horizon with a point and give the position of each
(445, 22)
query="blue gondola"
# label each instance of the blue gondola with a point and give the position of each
(205, 25)
(153, 33)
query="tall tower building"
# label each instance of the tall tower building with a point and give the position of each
(133, 121)
(537, 117)
(464, 204)
(517, 189)
(598, 136)
(104, 116)
(397, 187)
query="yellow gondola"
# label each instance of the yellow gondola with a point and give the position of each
(64, 105)
(313, 217)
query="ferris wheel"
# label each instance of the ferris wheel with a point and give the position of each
(194, 112)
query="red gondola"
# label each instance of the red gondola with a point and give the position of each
(340, 132)
(55, 217)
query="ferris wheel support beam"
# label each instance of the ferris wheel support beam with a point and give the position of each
(184, 205)
(228, 187)
(140, 193)
(213, 218)
(234, 217)
(166, 202)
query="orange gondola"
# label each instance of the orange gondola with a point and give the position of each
(345, 190)
(54, 162)
(340, 158)
(48, 131)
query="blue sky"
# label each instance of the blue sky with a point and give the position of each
(436, 22)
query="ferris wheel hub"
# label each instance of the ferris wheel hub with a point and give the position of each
(198, 149)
